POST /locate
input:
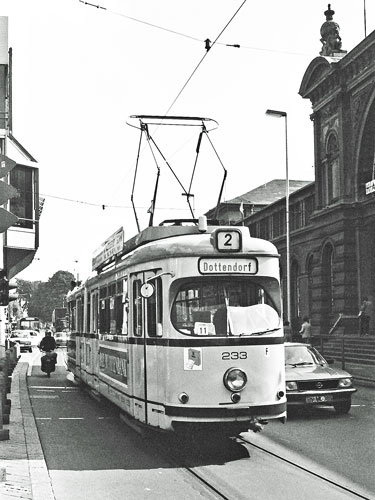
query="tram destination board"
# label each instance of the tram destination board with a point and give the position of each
(228, 265)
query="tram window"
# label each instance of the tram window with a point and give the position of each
(154, 309)
(219, 307)
(80, 315)
(117, 315)
(73, 316)
(88, 315)
(104, 316)
(94, 313)
(137, 308)
(112, 315)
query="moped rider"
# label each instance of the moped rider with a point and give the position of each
(48, 344)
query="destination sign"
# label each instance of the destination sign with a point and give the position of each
(228, 266)
(111, 247)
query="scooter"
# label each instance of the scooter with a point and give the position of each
(48, 362)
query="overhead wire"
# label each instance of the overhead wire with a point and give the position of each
(196, 39)
(205, 55)
(100, 205)
(208, 43)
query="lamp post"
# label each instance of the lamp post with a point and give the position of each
(283, 114)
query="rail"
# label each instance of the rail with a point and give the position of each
(341, 319)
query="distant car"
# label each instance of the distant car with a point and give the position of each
(310, 380)
(61, 338)
(27, 339)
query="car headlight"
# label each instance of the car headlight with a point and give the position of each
(291, 386)
(345, 382)
(235, 379)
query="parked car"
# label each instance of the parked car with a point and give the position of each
(27, 339)
(311, 380)
(61, 338)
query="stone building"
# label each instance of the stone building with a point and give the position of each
(332, 220)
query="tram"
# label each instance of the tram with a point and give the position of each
(29, 323)
(181, 327)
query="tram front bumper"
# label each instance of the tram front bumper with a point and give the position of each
(233, 412)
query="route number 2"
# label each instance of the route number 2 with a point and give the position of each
(229, 241)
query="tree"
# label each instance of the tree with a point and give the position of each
(43, 297)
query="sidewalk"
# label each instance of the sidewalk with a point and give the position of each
(23, 471)
(362, 374)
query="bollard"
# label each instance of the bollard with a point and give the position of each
(13, 356)
(5, 403)
(4, 369)
(9, 361)
(4, 433)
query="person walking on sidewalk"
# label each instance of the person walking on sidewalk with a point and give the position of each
(306, 330)
(364, 316)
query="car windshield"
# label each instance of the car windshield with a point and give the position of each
(20, 335)
(302, 355)
(243, 306)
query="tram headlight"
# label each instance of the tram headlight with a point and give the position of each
(235, 379)
(291, 386)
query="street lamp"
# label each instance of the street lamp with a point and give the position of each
(283, 114)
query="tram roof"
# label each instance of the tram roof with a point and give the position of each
(157, 233)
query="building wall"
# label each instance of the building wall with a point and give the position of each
(332, 221)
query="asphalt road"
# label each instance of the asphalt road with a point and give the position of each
(344, 444)
(92, 454)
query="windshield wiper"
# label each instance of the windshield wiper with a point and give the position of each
(302, 363)
(261, 332)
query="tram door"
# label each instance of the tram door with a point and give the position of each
(146, 323)
(139, 348)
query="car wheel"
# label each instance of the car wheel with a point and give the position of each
(343, 406)
(30, 349)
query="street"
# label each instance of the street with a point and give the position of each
(344, 444)
(91, 453)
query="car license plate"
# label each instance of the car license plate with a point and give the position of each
(327, 398)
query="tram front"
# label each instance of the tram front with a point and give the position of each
(225, 355)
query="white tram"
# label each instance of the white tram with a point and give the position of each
(182, 327)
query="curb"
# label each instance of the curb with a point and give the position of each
(27, 475)
(41, 486)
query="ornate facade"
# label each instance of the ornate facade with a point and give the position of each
(332, 257)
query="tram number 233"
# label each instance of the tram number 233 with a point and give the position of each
(233, 355)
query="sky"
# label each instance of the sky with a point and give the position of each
(80, 72)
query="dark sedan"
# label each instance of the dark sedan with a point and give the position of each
(311, 380)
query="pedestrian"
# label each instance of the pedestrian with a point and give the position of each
(288, 333)
(364, 316)
(305, 330)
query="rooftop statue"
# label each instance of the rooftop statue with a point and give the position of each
(329, 32)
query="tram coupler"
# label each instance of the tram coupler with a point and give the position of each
(257, 424)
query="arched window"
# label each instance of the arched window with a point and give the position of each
(331, 171)
(327, 279)
(294, 291)
(309, 267)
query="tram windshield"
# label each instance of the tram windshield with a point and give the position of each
(217, 307)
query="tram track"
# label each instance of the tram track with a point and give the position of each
(306, 469)
(234, 479)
